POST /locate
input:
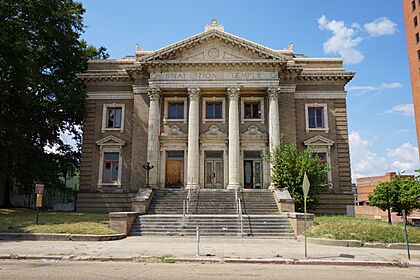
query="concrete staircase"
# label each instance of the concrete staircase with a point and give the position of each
(214, 213)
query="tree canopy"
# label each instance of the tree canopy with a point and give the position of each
(288, 168)
(404, 194)
(41, 51)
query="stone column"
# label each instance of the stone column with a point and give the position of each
(273, 117)
(234, 158)
(273, 120)
(193, 160)
(153, 147)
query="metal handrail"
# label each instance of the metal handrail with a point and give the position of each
(188, 200)
(239, 210)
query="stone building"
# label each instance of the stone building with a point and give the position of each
(203, 111)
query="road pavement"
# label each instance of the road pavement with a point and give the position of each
(46, 270)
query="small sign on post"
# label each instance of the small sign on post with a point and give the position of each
(39, 193)
(305, 187)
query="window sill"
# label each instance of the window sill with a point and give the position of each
(174, 120)
(326, 130)
(112, 129)
(252, 120)
(213, 120)
(116, 184)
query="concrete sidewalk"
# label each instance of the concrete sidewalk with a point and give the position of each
(184, 247)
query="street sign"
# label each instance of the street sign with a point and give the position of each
(39, 188)
(38, 203)
(305, 186)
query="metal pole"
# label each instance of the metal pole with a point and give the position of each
(387, 204)
(306, 244)
(37, 215)
(198, 242)
(406, 234)
(183, 208)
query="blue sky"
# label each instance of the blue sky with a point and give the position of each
(369, 35)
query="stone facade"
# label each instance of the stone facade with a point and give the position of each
(203, 112)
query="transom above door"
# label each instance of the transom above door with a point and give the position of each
(213, 170)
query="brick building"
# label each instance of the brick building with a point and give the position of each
(203, 111)
(411, 10)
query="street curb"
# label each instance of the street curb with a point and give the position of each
(358, 243)
(214, 260)
(60, 237)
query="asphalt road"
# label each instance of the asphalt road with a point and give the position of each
(45, 270)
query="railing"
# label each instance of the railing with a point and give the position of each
(239, 211)
(186, 204)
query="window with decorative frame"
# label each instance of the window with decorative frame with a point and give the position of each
(213, 109)
(316, 117)
(110, 162)
(113, 117)
(252, 109)
(175, 109)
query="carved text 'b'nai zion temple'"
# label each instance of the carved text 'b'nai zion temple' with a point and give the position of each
(203, 111)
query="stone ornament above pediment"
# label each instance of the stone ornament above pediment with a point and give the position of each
(253, 131)
(174, 130)
(110, 141)
(214, 131)
(318, 141)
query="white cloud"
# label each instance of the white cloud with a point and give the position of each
(404, 109)
(381, 26)
(404, 157)
(363, 88)
(342, 41)
(365, 163)
(392, 85)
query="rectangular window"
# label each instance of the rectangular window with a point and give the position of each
(316, 117)
(323, 159)
(110, 167)
(418, 54)
(413, 5)
(176, 110)
(113, 117)
(415, 21)
(252, 110)
(417, 38)
(214, 110)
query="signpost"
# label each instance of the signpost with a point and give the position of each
(305, 187)
(406, 234)
(39, 193)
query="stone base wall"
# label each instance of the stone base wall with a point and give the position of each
(104, 202)
(334, 203)
(373, 212)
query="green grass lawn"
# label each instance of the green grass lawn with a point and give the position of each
(366, 230)
(23, 220)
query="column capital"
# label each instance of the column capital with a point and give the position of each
(153, 93)
(194, 93)
(233, 93)
(273, 93)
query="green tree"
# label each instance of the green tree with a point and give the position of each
(404, 194)
(40, 96)
(289, 165)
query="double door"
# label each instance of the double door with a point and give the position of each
(252, 173)
(213, 169)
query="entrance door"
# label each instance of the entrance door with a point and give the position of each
(252, 170)
(174, 169)
(213, 169)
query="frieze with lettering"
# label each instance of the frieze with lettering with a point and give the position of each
(213, 76)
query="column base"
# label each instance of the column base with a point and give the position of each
(234, 186)
(192, 186)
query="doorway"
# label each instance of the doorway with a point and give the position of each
(174, 169)
(252, 170)
(213, 170)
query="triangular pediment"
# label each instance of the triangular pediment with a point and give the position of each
(110, 141)
(214, 45)
(318, 141)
